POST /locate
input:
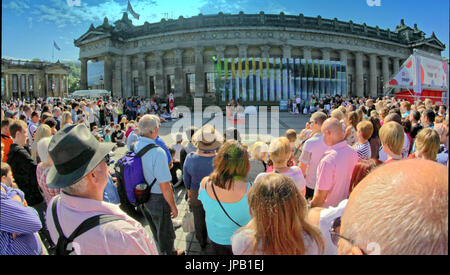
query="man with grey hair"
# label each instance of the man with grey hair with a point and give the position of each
(313, 150)
(161, 206)
(80, 170)
(398, 209)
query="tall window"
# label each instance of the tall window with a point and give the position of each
(210, 82)
(135, 86)
(31, 85)
(15, 86)
(170, 83)
(63, 90)
(58, 84)
(350, 85)
(152, 85)
(190, 83)
(23, 84)
(51, 86)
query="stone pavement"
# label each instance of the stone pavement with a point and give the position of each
(188, 241)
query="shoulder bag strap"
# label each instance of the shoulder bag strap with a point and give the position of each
(214, 191)
(84, 226)
(142, 153)
(91, 223)
(146, 149)
(55, 218)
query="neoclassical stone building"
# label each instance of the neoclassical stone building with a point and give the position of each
(179, 55)
(33, 79)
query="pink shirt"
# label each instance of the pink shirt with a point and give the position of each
(123, 237)
(335, 172)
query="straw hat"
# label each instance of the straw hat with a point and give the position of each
(207, 139)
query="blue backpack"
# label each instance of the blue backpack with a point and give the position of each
(129, 174)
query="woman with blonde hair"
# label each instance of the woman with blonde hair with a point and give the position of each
(42, 131)
(258, 160)
(224, 196)
(392, 137)
(428, 143)
(279, 224)
(280, 153)
(66, 119)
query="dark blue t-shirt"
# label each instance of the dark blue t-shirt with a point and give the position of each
(195, 169)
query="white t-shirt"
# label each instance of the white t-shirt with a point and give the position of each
(295, 173)
(240, 241)
(327, 218)
(91, 118)
(177, 147)
(313, 150)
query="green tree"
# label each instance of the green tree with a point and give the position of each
(74, 75)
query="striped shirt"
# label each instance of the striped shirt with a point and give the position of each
(21, 220)
(41, 175)
(364, 151)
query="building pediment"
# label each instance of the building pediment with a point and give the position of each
(89, 36)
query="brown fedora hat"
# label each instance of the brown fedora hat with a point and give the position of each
(75, 153)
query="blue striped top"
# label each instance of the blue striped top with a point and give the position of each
(363, 150)
(21, 220)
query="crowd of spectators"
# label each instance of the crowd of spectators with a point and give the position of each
(359, 172)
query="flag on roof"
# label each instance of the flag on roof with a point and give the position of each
(130, 9)
(56, 46)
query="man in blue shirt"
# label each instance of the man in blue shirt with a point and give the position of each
(19, 223)
(161, 206)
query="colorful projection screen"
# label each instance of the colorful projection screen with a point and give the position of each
(274, 79)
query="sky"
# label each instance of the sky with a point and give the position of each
(29, 27)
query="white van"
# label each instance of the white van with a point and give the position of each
(90, 94)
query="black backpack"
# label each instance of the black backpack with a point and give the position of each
(64, 245)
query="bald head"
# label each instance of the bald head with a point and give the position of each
(332, 131)
(399, 208)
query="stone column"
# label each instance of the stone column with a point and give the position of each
(53, 88)
(159, 77)
(287, 51)
(325, 54)
(83, 76)
(117, 77)
(27, 92)
(66, 79)
(220, 52)
(108, 67)
(265, 51)
(199, 73)
(373, 76)
(343, 59)
(142, 87)
(7, 91)
(307, 53)
(243, 51)
(359, 74)
(385, 67)
(179, 74)
(396, 61)
(126, 76)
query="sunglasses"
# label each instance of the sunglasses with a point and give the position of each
(107, 159)
(335, 236)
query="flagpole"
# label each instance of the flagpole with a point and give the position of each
(53, 53)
